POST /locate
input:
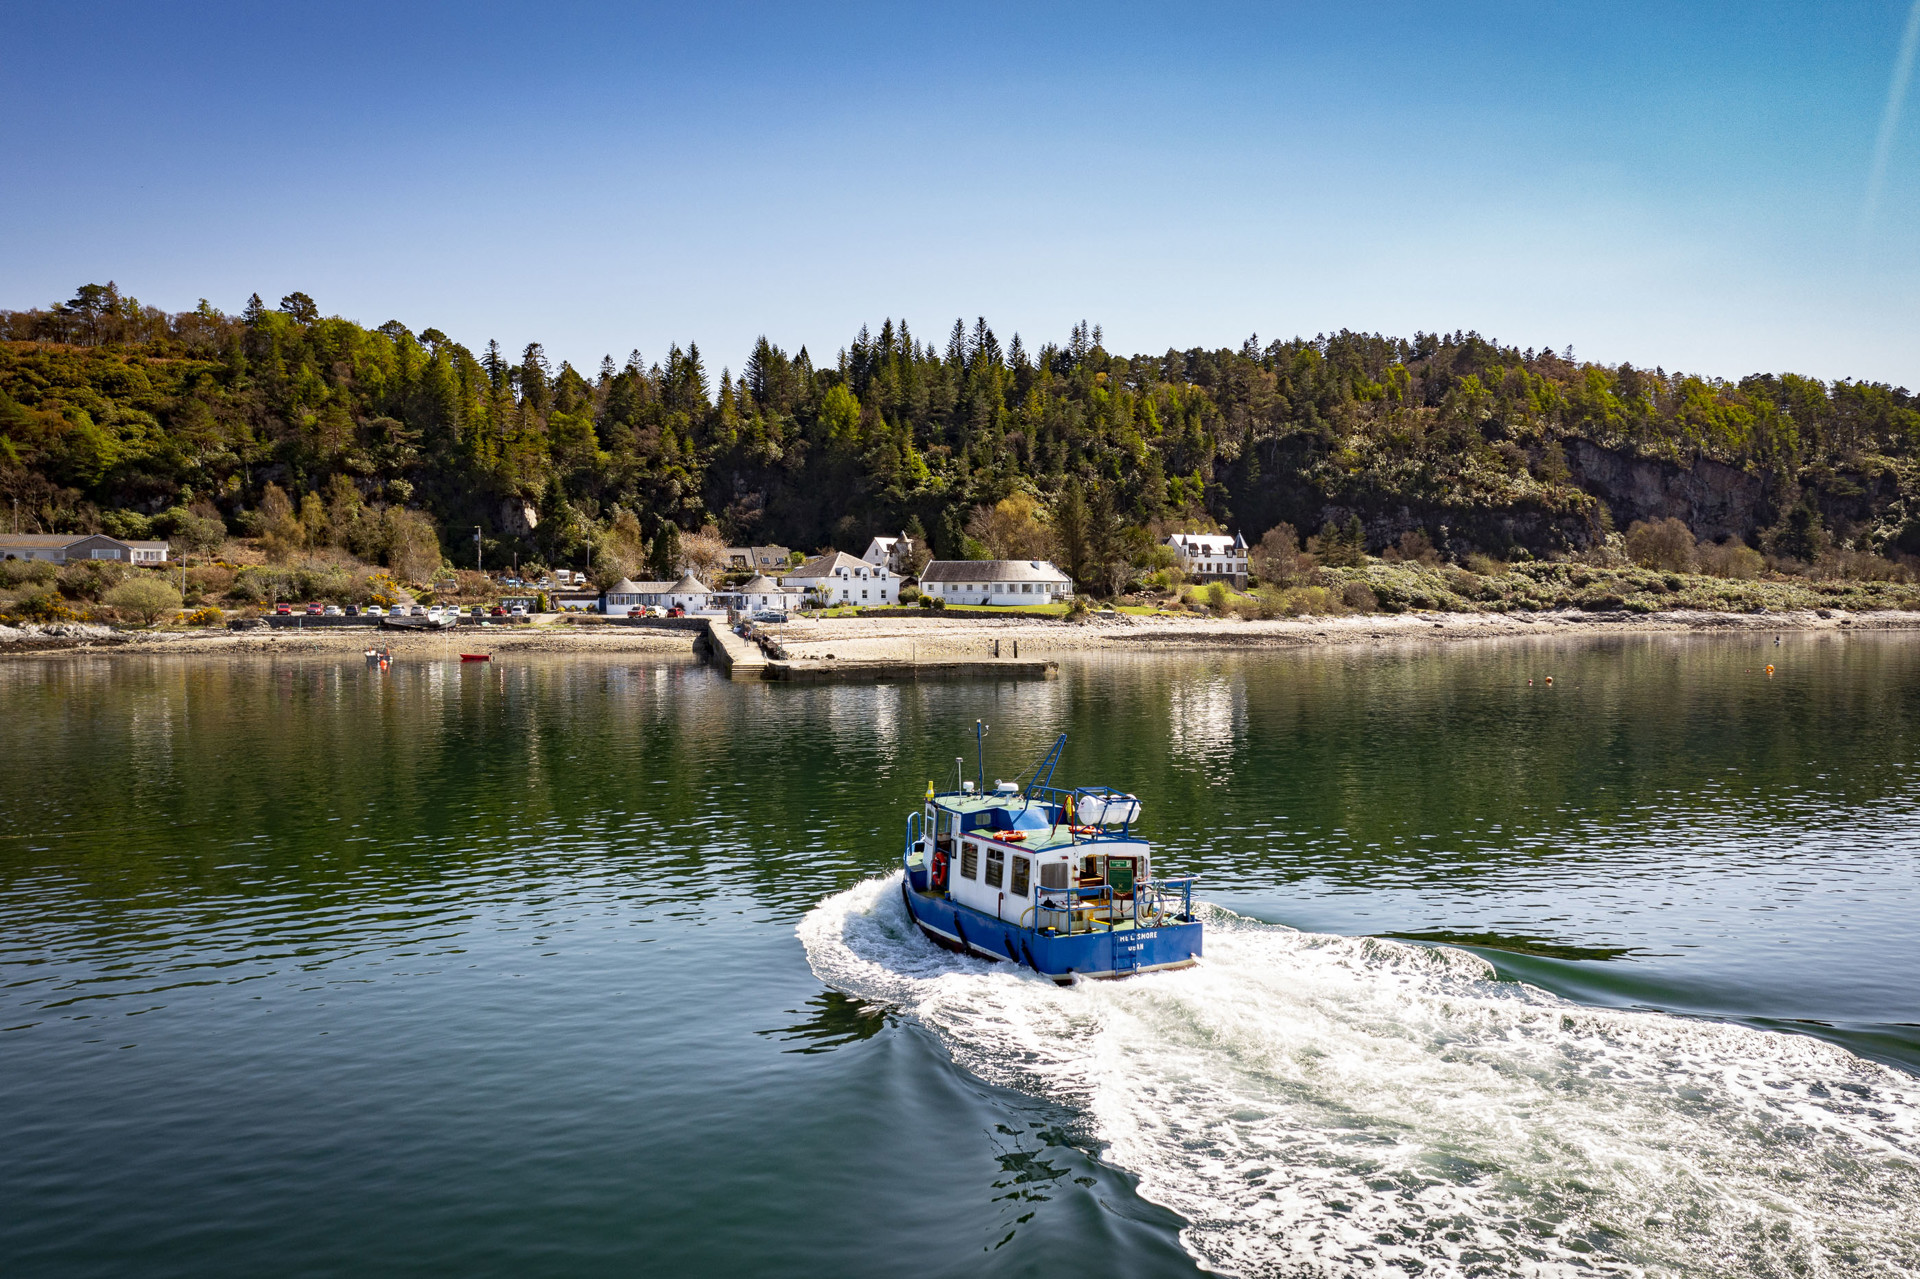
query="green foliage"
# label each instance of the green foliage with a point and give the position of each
(147, 598)
(308, 432)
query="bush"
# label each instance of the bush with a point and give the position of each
(208, 616)
(24, 572)
(1414, 547)
(41, 606)
(1661, 544)
(1732, 559)
(146, 598)
(92, 579)
(1486, 565)
(1359, 597)
(908, 594)
(1217, 597)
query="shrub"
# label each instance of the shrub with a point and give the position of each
(1344, 546)
(908, 594)
(1217, 597)
(1732, 558)
(42, 606)
(92, 579)
(1661, 544)
(208, 616)
(23, 572)
(1359, 597)
(1486, 565)
(1413, 547)
(146, 598)
(939, 602)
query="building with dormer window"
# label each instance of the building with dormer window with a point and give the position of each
(1211, 557)
(839, 578)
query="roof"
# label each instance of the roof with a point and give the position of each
(149, 546)
(626, 586)
(1206, 543)
(992, 571)
(690, 585)
(760, 584)
(41, 539)
(825, 566)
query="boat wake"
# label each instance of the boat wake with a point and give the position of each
(1321, 1105)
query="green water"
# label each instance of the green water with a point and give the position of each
(521, 969)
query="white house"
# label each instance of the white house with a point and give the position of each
(690, 593)
(762, 593)
(65, 548)
(838, 578)
(1000, 582)
(1211, 556)
(895, 553)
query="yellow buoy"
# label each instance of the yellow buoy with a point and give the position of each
(929, 788)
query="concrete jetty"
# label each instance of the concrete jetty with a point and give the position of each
(743, 659)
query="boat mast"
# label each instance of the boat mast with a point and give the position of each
(980, 745)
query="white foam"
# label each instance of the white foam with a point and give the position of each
(1318, 1105)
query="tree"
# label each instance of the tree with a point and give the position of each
(1278, 558)
(413, 548)
(704, 554)
(1011, 529)
(299, 308)
(147, 598)
(1070, 535)
(1800, 535)
(1661, 544)
(664, 561)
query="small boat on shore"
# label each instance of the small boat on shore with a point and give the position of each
(476, 657)
(1051, 878)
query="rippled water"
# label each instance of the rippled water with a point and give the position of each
(577, 966)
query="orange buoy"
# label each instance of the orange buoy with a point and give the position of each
(1769, 670)
(1549, 681)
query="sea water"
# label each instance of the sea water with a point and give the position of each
(583, 965)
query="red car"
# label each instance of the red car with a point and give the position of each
(314, 610)
(285, 610)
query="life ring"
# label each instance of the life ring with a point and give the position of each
(1013, 836)
(939, 869)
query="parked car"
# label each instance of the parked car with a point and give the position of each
(519, 610)
(374, 610)
(283, 610)
(769, 615)
(353, 610)
(496, 611)
(676, 611)
(332, 610)
(418, 610)
(313, 610)
(479, 610)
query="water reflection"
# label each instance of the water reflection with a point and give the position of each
(833, 1020)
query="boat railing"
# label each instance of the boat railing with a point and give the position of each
(913, 837)
(1148, 899)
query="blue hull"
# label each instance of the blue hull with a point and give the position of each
(1057, 955)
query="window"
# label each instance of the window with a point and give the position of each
(996, 867)
(1022, 872)
(1053, 875)
(1026, 588)
(970, 861)
(105, 555)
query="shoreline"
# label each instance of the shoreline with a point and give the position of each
(907, 639)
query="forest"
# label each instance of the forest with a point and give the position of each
(302, 429)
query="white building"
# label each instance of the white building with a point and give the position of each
(689, 593)
(762, 593)
(895, 553)
(1007, 583)
(838, 578)
(1208, 557)
(65, 548)
(758, 559)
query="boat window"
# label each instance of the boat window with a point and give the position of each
(1022, 872)
(996, 867)
(1053, 875)
(1090, 867)
(970, 861)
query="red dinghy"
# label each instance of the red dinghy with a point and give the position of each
(476, 657)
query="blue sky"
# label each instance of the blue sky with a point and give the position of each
(1676, 185)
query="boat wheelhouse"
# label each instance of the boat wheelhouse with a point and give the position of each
(1051, 878)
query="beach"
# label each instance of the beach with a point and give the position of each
(956, 636)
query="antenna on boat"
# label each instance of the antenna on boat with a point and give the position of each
(980, 745)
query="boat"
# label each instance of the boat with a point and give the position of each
(444, 622)
(476, 657)
(1050, 878)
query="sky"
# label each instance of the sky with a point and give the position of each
(1716, 188)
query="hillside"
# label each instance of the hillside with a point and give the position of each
(119, 417)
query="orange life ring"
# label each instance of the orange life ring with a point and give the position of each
(939, 869)
(1013, 836)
